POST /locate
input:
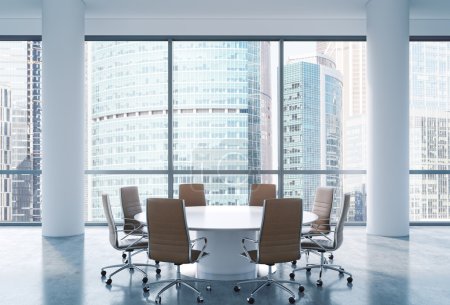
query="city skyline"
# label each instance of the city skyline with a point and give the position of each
(198, 82)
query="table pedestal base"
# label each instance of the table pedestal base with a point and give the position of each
(224, 261)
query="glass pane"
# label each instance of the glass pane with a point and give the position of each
(226, 189)
(223, 96)
(127, 104)
(324, 110)
(20, 129)
(429, 129)
(148, 186)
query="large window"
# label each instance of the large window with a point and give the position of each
(430, 131)
(127, 119)
(221, 117)
(324, 119)
(226, 114)
(20, 131)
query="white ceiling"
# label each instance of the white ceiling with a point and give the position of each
(327, 9)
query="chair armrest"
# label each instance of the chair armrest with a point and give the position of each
(134, 242)
(247, 255)
(317, 244)
(318, 234)
(318, 225)
(193, 242)
(135, 229)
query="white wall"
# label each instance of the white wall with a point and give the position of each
(224, 26)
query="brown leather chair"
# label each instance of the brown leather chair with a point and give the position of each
(128, 243)
(279, 242)
(192, 194)
(131, 205)
(323, 202)
(325, 245)
(261, 192)
(170, 242)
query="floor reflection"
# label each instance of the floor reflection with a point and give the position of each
(63, 270)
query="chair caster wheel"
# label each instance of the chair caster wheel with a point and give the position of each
(308, 269)
(292, 275)
(301, 288)
(291, 300)
(145, 280)
(177, 285)
(124, 255)
(146, 289)
(199, 299)
(103, 273)
(237, 288)
(108, 282)
(349, 279)
(319, 283)
(158, 300)
(208, 288)
(294, 262)
(157, 262)
(158, 271)
(250, 300)
(331, 256)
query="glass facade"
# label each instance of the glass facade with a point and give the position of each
(221, 111)
(127, 118)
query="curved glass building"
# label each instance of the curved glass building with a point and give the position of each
(221, 117)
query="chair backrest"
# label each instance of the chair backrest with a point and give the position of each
(113, 238)
(279, 239)
(339, 230)
(322, 208)
(192, 194)
(261, 192)
(131, 205)
(169, 239)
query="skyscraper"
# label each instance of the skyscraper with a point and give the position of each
(221, 110)
(312, 125)
(5, 155)
(34, 121)
(350, 59)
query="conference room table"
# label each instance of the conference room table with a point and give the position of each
(224, 227)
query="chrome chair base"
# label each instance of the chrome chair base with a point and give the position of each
(269, 280)
(323, 265)
(128, 264)
(177, 282)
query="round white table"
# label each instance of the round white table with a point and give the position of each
(224, 227)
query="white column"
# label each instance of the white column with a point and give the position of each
(388, 117)
(63, 117)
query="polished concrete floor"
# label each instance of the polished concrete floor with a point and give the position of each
(36, 270)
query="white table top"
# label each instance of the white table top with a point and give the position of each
(226, 217)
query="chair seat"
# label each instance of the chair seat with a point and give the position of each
(317, 244)
(127, 242)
